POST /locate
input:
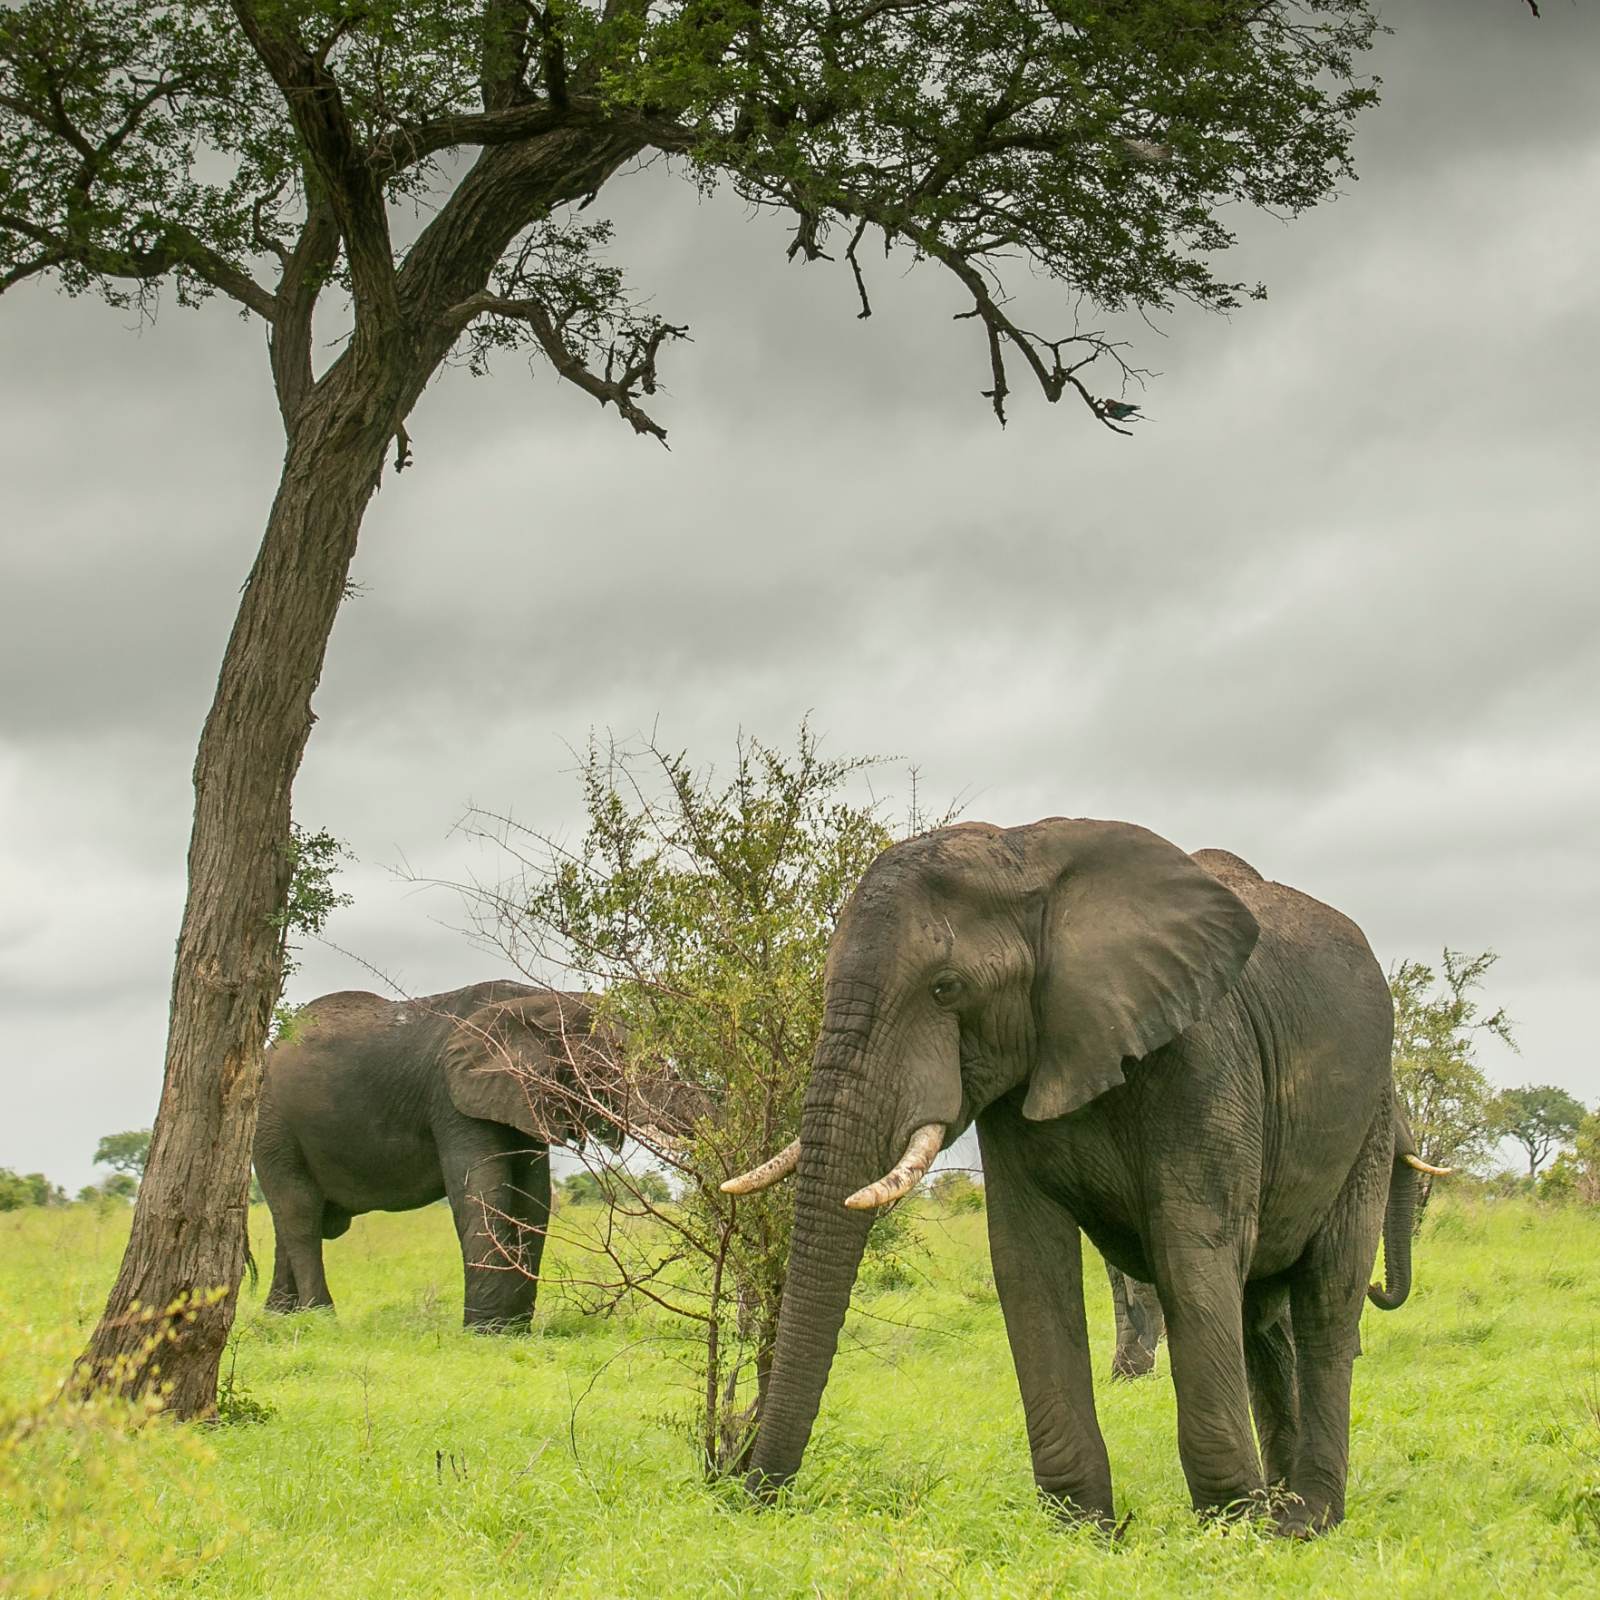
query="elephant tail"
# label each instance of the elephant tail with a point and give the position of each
(1399, 1220)
(250, 1265)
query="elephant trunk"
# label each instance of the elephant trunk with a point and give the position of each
(1399, 1220)
(840, 1151)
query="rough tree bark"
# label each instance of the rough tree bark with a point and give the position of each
(190, 1223)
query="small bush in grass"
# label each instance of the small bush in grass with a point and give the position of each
(85, 1476)
(955, 1192)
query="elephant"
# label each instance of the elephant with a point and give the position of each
(389, 1105)
(1140, 1325)
(1181, 1059)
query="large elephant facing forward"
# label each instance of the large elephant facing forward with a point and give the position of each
(389, 1105)
(1186, 1062)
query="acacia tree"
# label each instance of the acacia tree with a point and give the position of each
(1446, 1096)
(701, 907)
(261, 150)
(1541, 1118)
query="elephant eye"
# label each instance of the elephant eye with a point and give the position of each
(946, 990)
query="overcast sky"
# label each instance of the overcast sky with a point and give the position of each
(1332, 607)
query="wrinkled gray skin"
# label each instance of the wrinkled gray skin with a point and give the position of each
(1140, 1325)
(389, 1105)
(1186, 1062)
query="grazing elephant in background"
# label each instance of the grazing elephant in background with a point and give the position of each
(1140, 1325)
(1188, 1063)
(388, 1105)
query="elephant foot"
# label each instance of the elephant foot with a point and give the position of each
(764, 1489)
(1069, 1514)
(1294, 1519)
(479, 1322)
(1275, 1506)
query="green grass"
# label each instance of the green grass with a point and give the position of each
(404, 1457)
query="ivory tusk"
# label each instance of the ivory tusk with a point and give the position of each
(767, 1174)
(924, 1146)
(1422, 1166)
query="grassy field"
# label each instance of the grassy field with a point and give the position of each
(403, 1457)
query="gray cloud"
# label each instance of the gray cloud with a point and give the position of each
(1331, 607)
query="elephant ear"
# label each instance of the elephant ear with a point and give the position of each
(1137, 942)
(514, 1062)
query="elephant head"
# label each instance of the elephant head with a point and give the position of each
(546, 1064)
(968, 964)
(541, 1064)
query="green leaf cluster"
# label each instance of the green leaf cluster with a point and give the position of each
(1575, 1173)
(1097, 143)
(314, 860)
(701, 907)
(1445, 1095)
(28, 1189)
(607, 1186)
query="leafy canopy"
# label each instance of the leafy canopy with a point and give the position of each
(225, 146)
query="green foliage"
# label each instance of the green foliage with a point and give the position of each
(955, 1192)
(235, 1403)
(1474, 1455)
(702, 907)
(1539, 1116)
(314, 859)
(895, 1252)
(118, 1189)
(87, 1502)
(1096, 144)
(605, 1186)
(30, 1189)
(1443, 1090)
(124, 1152)
(1575, 1173)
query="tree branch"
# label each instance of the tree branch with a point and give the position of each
(637, 367)
(354, 191)
(177, 248)
(305, 270)
(1053, 379)
(406, 147)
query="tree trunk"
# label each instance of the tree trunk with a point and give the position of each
(190, 1224)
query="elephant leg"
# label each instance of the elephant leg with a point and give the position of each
(1037, 1254)
(298, 1281)
(531, 1179)
(1202, 1293)
(487, 1176)
(282, 1296)
(1327, 1293)
(296, 1203)
(1269, 1359)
